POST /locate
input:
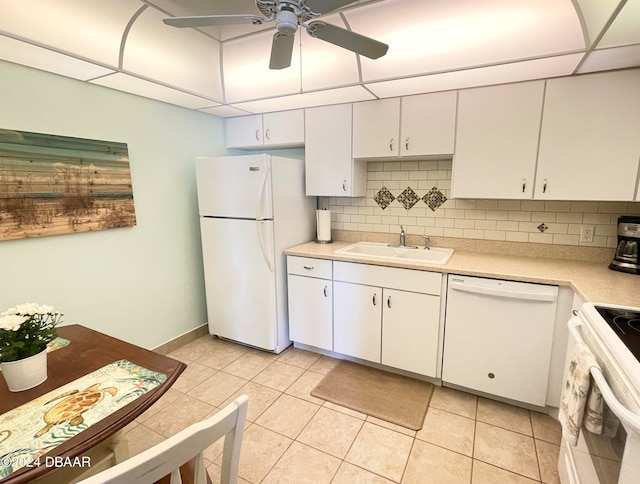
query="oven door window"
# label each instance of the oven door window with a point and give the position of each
(606, 450)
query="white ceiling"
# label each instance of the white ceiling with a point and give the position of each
(434, 45)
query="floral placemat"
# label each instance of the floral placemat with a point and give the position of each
(33, 429)
(57, 343)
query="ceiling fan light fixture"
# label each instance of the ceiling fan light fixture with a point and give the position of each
(287, 22)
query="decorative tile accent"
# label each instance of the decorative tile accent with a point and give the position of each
(408, 198)
(542, 227)
(434, 198)
(384, 198)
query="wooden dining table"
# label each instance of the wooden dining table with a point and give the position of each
(88, 351)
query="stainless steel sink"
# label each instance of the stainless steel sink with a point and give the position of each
(376, 250)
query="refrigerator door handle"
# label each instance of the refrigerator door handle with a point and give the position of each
(263, 245)
(261, 187)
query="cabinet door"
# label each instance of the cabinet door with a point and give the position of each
(284, 128)
(376, 128)
(357, 320)
(589, 144)
(497, 141)
(410, 324)
(329, 167)
(310, 311)
(244, 131)
(428, 124)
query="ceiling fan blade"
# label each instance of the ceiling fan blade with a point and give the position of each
(281, 51)
(347, 40)
(212, 20)
(324, 6)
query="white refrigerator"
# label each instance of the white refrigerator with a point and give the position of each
(251, 209)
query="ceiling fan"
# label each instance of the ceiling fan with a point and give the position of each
(288, 14)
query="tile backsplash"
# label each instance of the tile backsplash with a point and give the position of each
(545, 222)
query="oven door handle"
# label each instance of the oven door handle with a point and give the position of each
(630, 419)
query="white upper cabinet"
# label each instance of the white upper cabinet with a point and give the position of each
(283, 129)
(590, 139)
(428, 124)
(376, 128)
(330, 169)
(422, 125)
(497, 141)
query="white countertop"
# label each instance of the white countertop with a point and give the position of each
(592, 281)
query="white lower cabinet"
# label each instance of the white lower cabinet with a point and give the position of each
(388, 315)
(310, 302)
(357, 320)
(410, 331)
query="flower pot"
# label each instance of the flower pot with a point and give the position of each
(26, 373)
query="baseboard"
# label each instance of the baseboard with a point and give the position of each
(182, 340)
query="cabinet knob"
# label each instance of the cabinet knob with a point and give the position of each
(544, 186)
(344, 186)
(491, 375)
(391, 144)
(325, 291)
(257, 135)
(406, 144)
(389, 302)
(524, 184)
(374, 298)
(309, 268)
(266, 134)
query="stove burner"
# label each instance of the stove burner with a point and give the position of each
(634, 324)
(623, 313)
(625, 323)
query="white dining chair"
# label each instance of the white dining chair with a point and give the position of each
(166, 457)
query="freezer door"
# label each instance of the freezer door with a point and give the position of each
(239, 282)
(235, 186)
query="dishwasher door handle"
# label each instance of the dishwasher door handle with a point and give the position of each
(500, 292)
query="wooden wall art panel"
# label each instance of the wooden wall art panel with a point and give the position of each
(52, 185)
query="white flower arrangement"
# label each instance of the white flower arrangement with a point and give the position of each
(26, 329)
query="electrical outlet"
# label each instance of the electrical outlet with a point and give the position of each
(586, 234)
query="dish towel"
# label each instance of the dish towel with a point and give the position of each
(578, 393)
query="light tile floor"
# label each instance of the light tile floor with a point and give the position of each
(292, 437)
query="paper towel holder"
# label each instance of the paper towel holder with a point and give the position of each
(326, 239)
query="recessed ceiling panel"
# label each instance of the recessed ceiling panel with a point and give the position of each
(625, 29)
(141, 87)
(48, 60)
(184, 58)
(325, 65)
(246, 69)
(88, 29)
(596, 15)
(613, 58)
(307, 100)
(426, 37)
(482, 76)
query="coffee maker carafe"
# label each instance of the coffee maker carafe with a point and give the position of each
(626, 258)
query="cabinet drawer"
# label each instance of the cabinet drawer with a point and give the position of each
(391, 277)
(306, 266)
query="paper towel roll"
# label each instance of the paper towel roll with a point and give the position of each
(323, 224)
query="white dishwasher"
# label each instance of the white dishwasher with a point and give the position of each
(498, 337)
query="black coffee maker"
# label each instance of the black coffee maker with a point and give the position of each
(626, 258)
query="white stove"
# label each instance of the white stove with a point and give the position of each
(612, 333)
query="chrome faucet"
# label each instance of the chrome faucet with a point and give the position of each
(427, 242)
(402, 244)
